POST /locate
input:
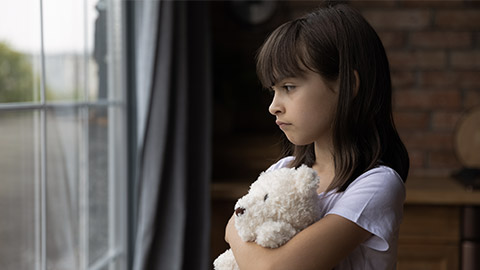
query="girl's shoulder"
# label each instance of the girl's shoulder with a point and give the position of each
(382, 183)
(383, 174)
(282, 163)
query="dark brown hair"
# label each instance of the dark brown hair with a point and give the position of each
(335, 41)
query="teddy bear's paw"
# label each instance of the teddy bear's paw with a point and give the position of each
(273, 234)
(226, 261)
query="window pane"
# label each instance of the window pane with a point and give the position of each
(65, 45)
(19, 180)
(20, 51)
(117, 135)
(98, 183)
(64, 148)
(118, 264)
(84, 145)
(97, 16)
(104, 20)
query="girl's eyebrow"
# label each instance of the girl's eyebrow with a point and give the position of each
(286, 78)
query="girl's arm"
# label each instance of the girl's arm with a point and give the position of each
(320, 246)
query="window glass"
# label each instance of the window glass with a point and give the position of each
(117, 136)
(98, 183)
(65, 45)
(19, 150)
(63, 190)
(119, 264)
(76, 52)
(20, 48)
(62, 157)
(98, 57)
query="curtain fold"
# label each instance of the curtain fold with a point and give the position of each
(173, 227)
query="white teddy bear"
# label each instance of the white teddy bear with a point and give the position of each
(279, 204)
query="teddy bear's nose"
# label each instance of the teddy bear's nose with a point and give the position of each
(239, 211)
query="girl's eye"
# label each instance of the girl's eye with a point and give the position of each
(289, 88)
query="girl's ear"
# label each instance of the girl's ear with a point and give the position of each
(357, 83)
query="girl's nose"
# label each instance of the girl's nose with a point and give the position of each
(275, 107)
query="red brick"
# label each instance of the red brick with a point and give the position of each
(393, 39)
(472, 3)
(447, 121)
(428, 140)
(402, 79)
(450, 78)
(471, 98)
(465, 59)
(469, 78)
(431, 3)
(417, 159)
(407, 60)
(438, 78)
(458, 19)
(427, 99)
(439, 39)
(406, 19)
(405, 120)
(432, 172)
(373, 3)
(444, 159)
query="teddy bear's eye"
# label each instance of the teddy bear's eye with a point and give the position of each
(266, 197)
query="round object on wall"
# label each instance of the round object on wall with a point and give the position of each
(467, 139)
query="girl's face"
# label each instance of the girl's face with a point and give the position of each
(305, 108)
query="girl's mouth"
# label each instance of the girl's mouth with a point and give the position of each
(281, 124)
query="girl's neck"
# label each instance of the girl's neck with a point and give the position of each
(324, 166)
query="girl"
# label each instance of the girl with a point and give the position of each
(329, 75)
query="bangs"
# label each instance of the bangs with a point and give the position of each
(283, 55)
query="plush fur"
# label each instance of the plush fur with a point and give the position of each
(279, 204)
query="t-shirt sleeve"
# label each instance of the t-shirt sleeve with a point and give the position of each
(374, 201)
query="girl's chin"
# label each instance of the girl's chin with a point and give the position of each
(298, 141)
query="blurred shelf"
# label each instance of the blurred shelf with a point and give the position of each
(420, 190)
(440, 191)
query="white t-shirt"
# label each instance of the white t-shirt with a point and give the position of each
(374, 201)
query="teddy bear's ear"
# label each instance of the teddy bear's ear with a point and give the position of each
(306, 178)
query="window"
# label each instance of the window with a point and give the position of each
(62, 135)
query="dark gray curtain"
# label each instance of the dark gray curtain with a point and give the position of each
(173, 222)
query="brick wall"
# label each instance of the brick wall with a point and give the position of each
(434, 53)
